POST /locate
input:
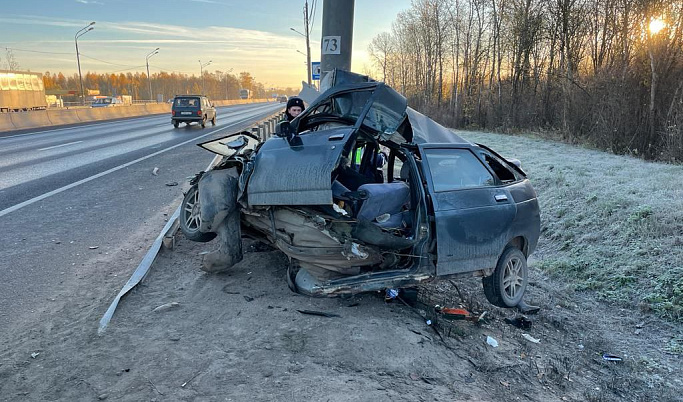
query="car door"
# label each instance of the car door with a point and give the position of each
(473, 210)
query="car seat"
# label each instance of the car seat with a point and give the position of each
(382, 199)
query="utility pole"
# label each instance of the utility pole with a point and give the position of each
(149, 79)
(307, 35)
(201, 72)
(308, 44)
(80, 33)
(337, 35)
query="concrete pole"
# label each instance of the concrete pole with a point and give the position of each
(337, 35)
(308, 44)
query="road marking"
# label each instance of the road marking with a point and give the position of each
(59, 146)
(114, 121)
(114, 169)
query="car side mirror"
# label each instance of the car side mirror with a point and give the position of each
(283, 129)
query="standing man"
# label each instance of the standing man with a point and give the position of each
(294, 108)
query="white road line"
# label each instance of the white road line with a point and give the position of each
(89, 124)
(106, 172)
(59, 146)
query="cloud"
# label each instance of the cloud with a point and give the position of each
(89, 2)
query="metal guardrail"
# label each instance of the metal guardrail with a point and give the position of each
(264, 129)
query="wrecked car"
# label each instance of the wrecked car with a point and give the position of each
(363, 193)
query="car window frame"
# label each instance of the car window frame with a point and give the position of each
(495, 182)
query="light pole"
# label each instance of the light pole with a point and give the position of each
(152, 53)
(80, 33)
(226, 83)
(308, 46)
(201, 72)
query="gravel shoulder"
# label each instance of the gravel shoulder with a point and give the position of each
(240, 336)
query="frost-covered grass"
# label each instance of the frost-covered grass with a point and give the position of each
(610, 224)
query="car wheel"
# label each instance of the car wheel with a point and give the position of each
(176, 124)
(190, 217)
(213, 121)
(204, 121)
(505, 288)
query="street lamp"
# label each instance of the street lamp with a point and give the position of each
(80, 33)
(226, 82)
(201, 72)
(308, 49)
(152, 53)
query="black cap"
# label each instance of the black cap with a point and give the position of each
(294, 101)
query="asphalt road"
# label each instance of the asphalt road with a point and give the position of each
(74, 198)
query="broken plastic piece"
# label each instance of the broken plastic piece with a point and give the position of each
(611, 358)
(531, 338)
(491, 341)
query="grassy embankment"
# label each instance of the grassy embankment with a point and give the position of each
(610, 224)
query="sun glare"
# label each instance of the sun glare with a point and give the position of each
(656, 25)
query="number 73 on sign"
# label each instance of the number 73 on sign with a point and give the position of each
(331, 45)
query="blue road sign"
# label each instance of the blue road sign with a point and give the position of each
(315, 70)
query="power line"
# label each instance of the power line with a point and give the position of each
(34, 51)
(104, 61)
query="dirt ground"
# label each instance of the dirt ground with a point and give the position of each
(239, 336)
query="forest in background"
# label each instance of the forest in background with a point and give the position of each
(608, 73)
(217, 84)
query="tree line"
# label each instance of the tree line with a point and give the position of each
(216, 85)
(599, 72)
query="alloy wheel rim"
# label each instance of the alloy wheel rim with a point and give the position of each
(513, 279)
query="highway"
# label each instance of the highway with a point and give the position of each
(80, 205)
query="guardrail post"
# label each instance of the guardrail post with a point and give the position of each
(254, 130)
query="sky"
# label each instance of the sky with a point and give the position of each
(251, 36)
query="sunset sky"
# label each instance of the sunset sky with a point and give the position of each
(252, 36)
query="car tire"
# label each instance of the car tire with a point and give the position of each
(505, 288)
(175, 124)
(204, 122)
(190, 217)
(213, 121)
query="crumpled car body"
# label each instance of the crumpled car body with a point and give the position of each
(363, 193)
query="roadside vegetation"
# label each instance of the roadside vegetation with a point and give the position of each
(611, 225)
(603, 72)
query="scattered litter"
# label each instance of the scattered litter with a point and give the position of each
(248, 298)
(94, 247)
(166, 306)
(354, 304)
(457, 314)
(611, 358)
(580, 346)
(155, 171)
(414, 376)
(192, 378)
(318, 313)
(491, 341)
(531, 338)
(172, 183)
(505, 383)
(339, 210)
(428, 322)
(521, 322)
(35, 354)
(390, 294)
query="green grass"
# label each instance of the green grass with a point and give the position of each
(611, 225)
